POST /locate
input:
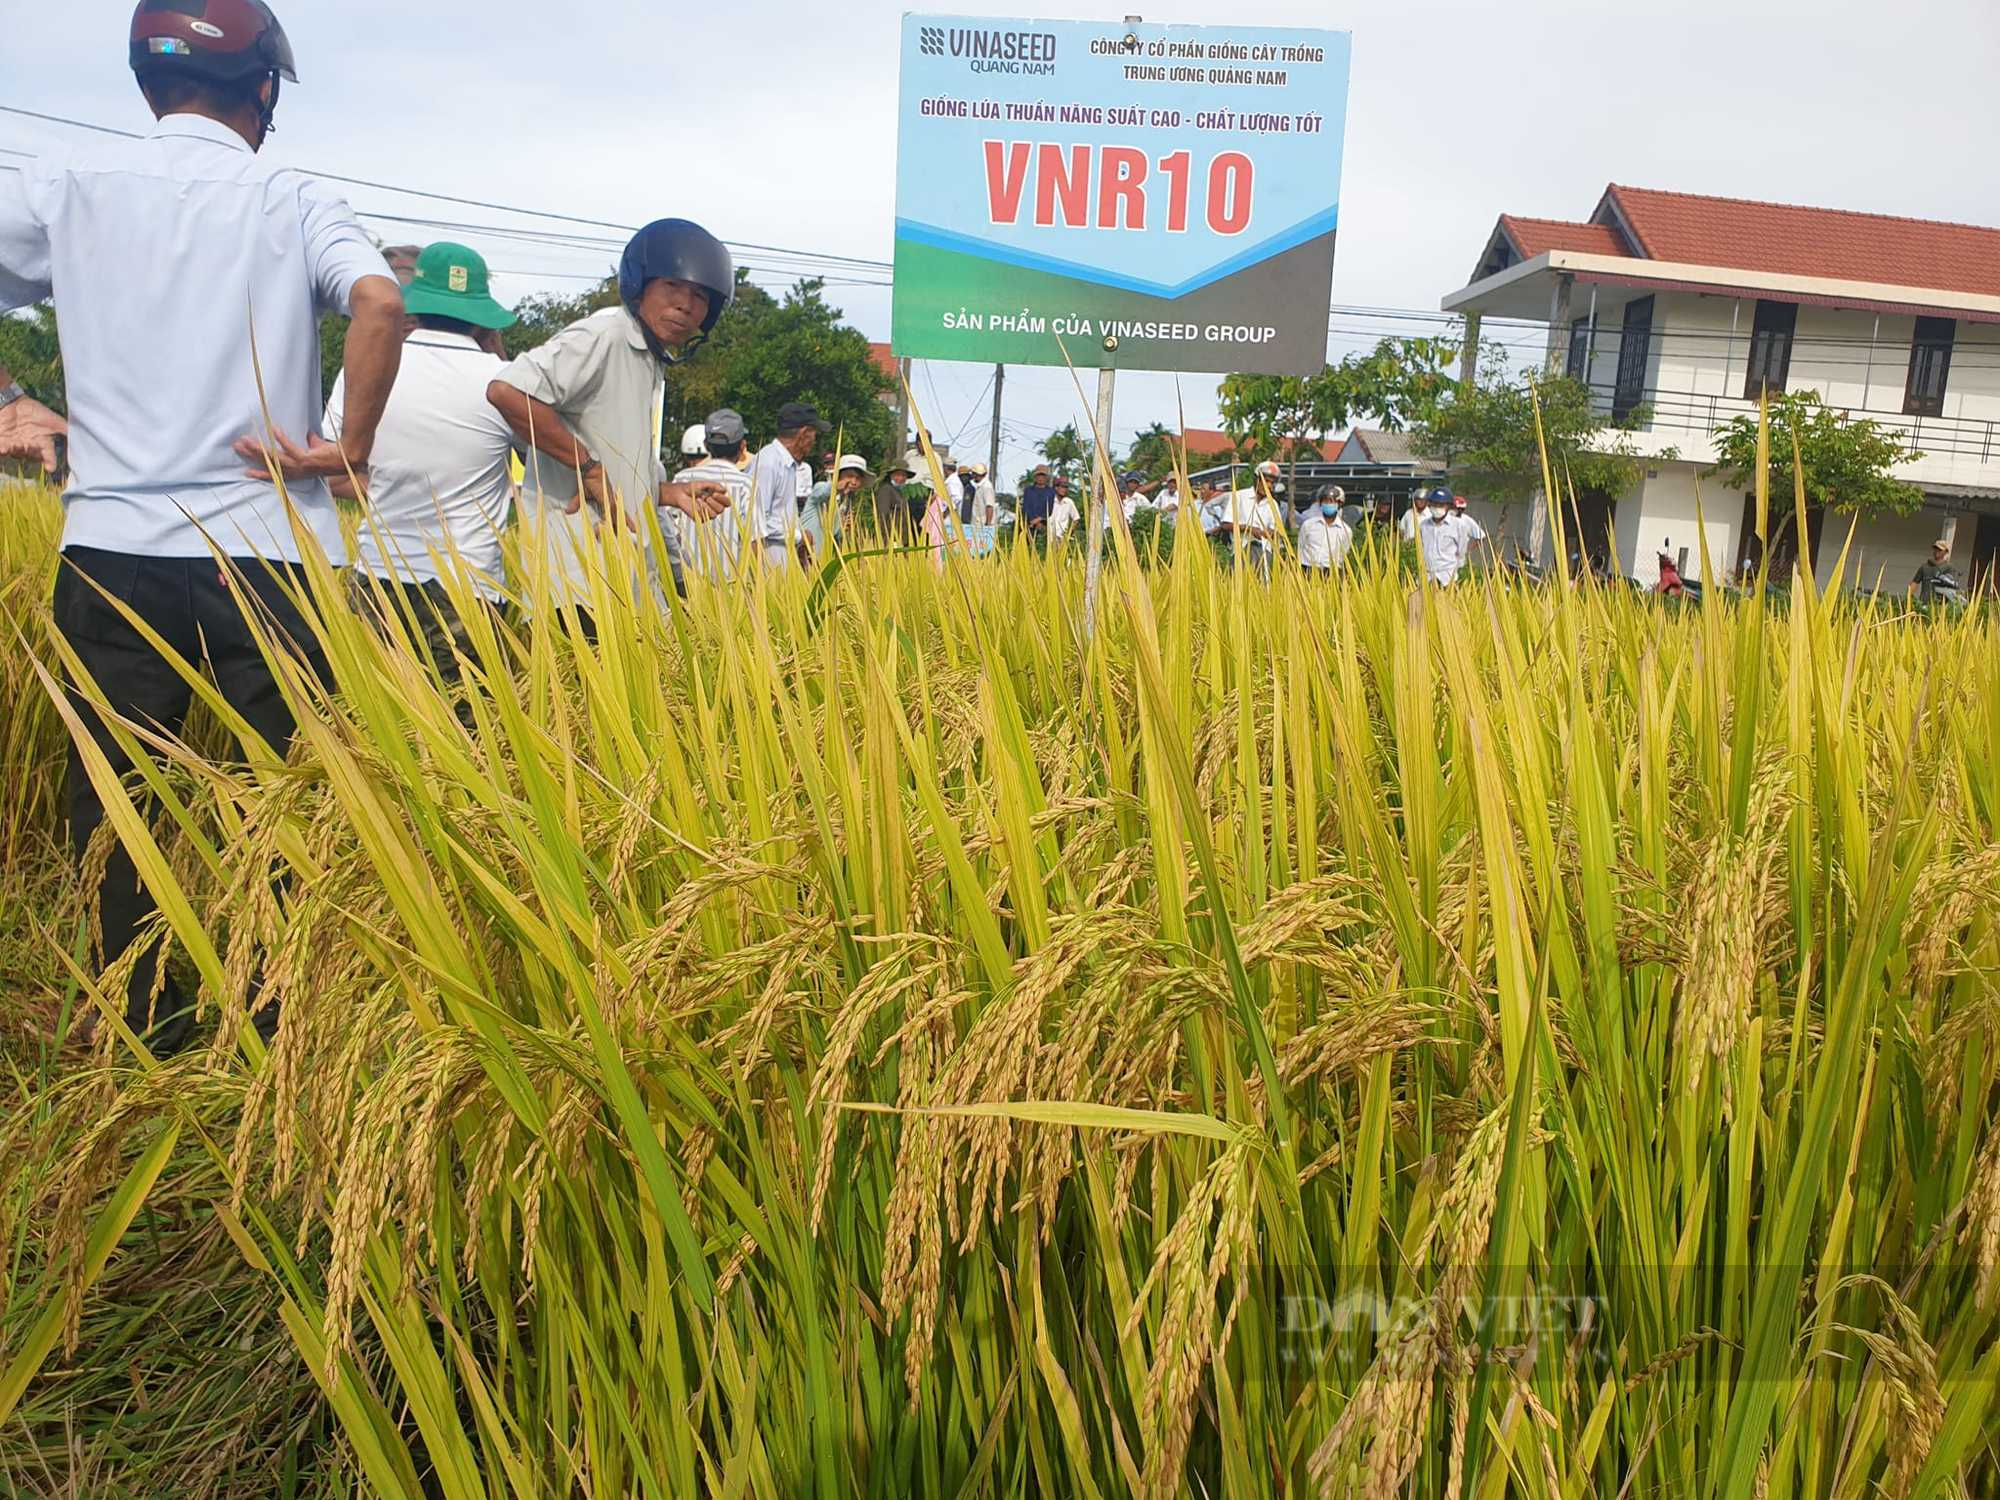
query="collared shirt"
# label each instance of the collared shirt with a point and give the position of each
(985, 503)
(1064, 516)
(714, 548)
(1445, 540)
(604, 381)
(1323, 543)
(168, 250)
(1252, 512)
(1037, 501)
(774, 494)
(1137, 501)
(438, 481)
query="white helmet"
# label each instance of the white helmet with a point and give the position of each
(694, 442)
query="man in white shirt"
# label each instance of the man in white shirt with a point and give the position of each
(1324, 537)
(439, 489)
(168, 249)
(1468, 531)
(1063, 515)
(587, 404)
(774, 480)
(1132, 495)
(985, 499)
(713, 549)
(1439, 541)
(1254, 519)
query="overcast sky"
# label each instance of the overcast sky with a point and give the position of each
(774, 123)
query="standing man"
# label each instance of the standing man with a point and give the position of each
(1254, 519)
(985, 499)
(587, 405)
(1467, 533)
(438, 486)
(1038, 500)
(1063, 515)
(1437, 536)
(168, 249)
(1935, 577)
(892, 510)
(714, 548)
(1324, 535)
(774, 482)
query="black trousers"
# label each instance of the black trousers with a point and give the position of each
(187, 602)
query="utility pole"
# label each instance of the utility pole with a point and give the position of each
(1099, 513)
(993, 447)
(902, 410)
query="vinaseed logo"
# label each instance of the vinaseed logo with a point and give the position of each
(991, 50)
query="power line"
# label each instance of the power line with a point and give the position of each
(536, 213)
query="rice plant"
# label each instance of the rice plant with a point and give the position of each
(864, 1036)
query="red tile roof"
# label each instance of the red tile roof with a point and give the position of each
(885, 359)
(1772, 239)
(1786, 240)
(1532, 236)
(1204, 442)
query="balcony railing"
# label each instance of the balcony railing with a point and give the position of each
(1967, 440)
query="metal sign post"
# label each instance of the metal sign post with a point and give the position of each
(1100, 514)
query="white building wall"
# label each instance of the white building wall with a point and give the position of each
(1674, 509)
(1884, 553)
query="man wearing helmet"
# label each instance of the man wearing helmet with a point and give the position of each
(587, 404)
(170, 249)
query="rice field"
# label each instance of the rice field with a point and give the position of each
(860, 1036)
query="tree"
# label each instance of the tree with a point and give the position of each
(1846, 459)
(765, 353)
(1152, 451)
(30, 350)
(1399, 383)
(1486, 434)
(1069, 452)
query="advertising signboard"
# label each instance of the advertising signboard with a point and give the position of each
(1172, 191)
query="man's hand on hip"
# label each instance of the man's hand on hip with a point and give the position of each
(704, 502)
(317, 459)
(29, 429)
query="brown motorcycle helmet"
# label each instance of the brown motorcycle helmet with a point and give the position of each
(223, 41)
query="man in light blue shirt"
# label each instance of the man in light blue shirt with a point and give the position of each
(774, 480)
(168, 251)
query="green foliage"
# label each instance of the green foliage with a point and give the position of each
(28, 349)
(1486, 434)
(1069, 453)
(766, 352)
(1847, 459)
(1398, 384)
(1152, 451)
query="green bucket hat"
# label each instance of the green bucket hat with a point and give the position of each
(451, 282)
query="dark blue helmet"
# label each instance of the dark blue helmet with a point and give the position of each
(680, 251)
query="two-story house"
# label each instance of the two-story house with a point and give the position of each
(1688, 307)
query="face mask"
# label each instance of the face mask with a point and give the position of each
(1329, 511)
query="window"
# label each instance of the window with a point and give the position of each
(1930, 367)
(1771, 349)
(1578, 368)
(1635, 348)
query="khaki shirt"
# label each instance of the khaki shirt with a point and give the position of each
(604, 381)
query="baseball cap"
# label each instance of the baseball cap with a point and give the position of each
(796, 414)
(451, 281)
(852, 463)
(694, 440)
(979, 469)
(726, 426)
